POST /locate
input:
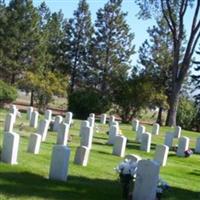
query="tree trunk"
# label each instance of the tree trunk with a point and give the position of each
(32, 98)
(159, 118)
(12, 79)
(173, 104)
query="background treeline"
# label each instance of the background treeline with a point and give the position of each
(89, 63)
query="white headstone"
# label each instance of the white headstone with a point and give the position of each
(113, 132)
(111, 119)
(10, 148)
(140, 131)
(115, 123)
(29, 113)
(183, 145)
(14, 111)
(82, 156)
(92, 115)
(48, 115)
(177, 132)
(84, 123)
(161, 154)
(63, 133)
(103, 118)
(9, 122)
(119, 147)
(34, 143)
(34, 119)
(169, 136)
(59, 163)
(68, 118)
(86, 137)
(146, 142)
(91, 121)
(43, 129)
(135, 124)
(155, 129)
(146, 180)
(58, 120)
(197, 147)
(133, 157)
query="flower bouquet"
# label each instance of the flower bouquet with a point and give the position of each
(127, 174)
(161, 187)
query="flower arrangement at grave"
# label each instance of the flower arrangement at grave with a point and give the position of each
(161, 187)
(188, 153)
(127, 170)
(127, 174)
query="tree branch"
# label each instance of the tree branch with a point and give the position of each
(165, 16)
(170, 15)
(195, 16)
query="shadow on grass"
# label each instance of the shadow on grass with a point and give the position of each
(25, 184)
(195, 172)
(175, 193)
(102, 138)
(100, 143)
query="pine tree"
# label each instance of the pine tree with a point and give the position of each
(112, 45)
(20, 39)
(155, 55)
(3, 19)
(80, 30)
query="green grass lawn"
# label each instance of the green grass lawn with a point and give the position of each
(98, 181)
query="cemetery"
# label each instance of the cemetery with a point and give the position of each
(84, 167)
(100, 100)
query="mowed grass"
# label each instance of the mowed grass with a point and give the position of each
(97, 181)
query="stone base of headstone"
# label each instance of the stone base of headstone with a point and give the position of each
(34, 143)
(10, 148)
(59, 163)
(82, 156)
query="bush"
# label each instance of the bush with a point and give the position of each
(186, 113)
(84, 102)
(7, 93)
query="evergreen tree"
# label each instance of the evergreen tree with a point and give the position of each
(112, 45)
(3, 19)
(155, 55)
(79, 29)
(21, 39)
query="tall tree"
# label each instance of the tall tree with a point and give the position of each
(155, 55)
(20, 39)
(80, 30)
(3, 19)
(112, 45)
(174, 12)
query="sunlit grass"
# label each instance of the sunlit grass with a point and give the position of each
(29, 179)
